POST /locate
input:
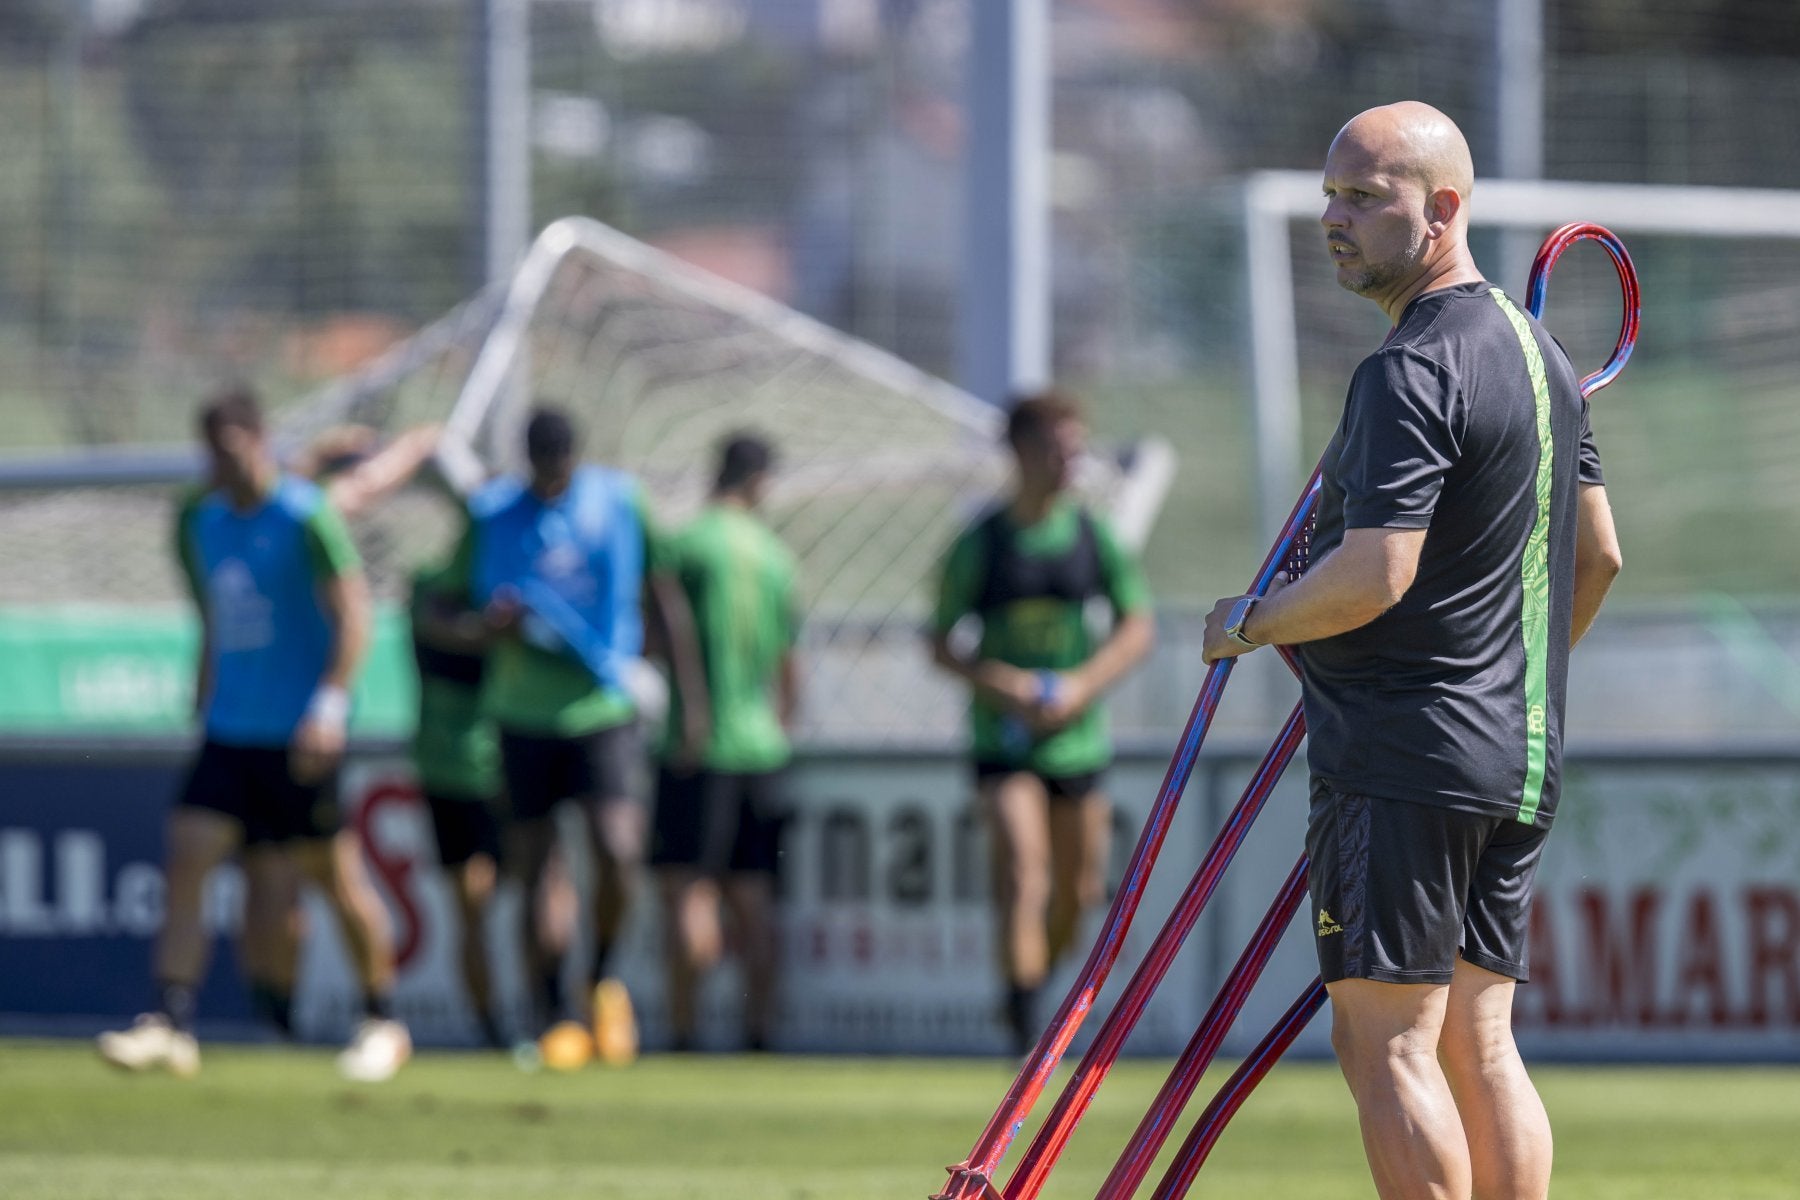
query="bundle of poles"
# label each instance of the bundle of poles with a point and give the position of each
(973, 1178)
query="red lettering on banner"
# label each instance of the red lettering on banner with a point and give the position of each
(1544, 993)
(1617, 949)
(1773, 917)
(395, 870)
(1702, 966)
(1621, 978)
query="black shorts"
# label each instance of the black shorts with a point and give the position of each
(1401, 889)
(1059, 787)
(720, 822)
(542, 772)
(254, 787)
(465, 827)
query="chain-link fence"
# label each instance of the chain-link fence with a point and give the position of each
(279, 189)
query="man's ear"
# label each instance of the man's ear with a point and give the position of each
(1441, 209)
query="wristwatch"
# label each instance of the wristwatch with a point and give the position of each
(1234, 620)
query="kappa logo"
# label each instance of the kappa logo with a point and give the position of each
(1328, 924)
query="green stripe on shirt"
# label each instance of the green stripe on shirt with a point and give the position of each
(1534, 572)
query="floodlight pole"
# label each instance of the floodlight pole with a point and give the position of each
(500, 124)
(500, 168)
(1519, 109)
(1004, 321)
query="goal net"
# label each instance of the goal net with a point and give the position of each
(879, 464)
(1699, 434)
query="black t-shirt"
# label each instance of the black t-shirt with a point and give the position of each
(1469, 422)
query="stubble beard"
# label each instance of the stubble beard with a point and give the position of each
(1375, 278)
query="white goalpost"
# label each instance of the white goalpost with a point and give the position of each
(880, 462)
(1274, 201)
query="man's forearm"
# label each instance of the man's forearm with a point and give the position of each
(1363, 577)
(674, 619)
(1324, 602)
(1591, 587)
(383, 473)
(990, 679)
(1130, 642)
(1597, 558)
(349, 619)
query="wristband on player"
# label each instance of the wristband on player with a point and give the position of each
(1049, 686)
(330, 704)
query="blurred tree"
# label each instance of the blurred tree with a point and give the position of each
(1734, 28)
(317, 147)
(27, 26)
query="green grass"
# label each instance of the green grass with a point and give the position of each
(274, 1124)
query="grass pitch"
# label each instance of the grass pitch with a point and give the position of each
(277, 1124)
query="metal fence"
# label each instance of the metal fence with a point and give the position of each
(278, 189)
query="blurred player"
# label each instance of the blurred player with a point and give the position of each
(456, 753)
(720, 795)
(357, 473)
(285, 622)
(557, 565)
(1026, 572)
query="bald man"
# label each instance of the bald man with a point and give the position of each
(1463, 545)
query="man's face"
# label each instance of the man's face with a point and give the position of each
(756, 489)
(551, 473)
(237, 454)
(1047, 457)
(1374, 219)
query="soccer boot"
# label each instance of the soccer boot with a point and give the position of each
(615, 1024)
(152, 1042)
(377, 1051)
(566, 1046)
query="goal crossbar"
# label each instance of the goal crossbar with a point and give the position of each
(1274, 199)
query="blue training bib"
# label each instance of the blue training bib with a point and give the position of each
(576, 563)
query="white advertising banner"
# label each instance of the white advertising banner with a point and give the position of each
(886, 930)
(1666, 924)
(1668, 915)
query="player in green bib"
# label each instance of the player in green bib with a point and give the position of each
(1025, 573)
(720, 800)
(456, 753)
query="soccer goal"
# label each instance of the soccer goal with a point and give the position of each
(879, 464)
(1699, 439)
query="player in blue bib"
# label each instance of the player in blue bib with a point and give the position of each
(285, 622)
(557, 564)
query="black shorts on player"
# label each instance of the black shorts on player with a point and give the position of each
(720, 822)
(1400, 890)
(254, 786)
(465, 827)
(541, 772)
(1066, 788)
